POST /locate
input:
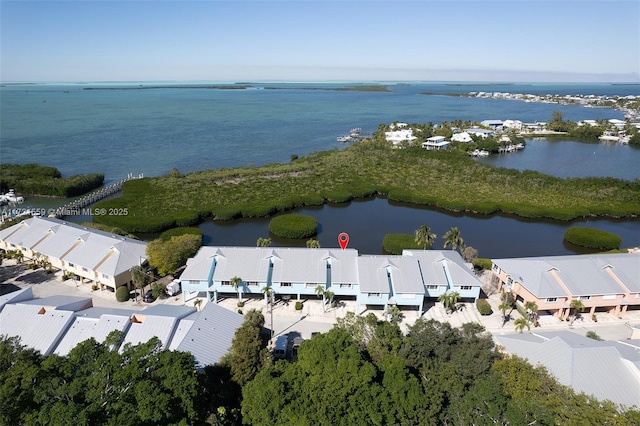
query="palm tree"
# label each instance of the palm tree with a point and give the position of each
(577, 306)
(449, 300)
(424, 237)
(521, 323)
(263, 242)
(268, 292)
(235, 282)
(140, 278)
(503, 308)
(532, 309)
(453, 239)
(311, 243)
(197, 303)
(329, 296)
(321, 293)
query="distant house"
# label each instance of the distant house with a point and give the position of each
(494, 124)
(512, 124)
(462, 137)
(483, 133)
(398, 136)
(603, 283)
(95, 256)
(619, 124)
(607, 370)
(435, 142)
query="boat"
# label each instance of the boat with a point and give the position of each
(479, 153)
(11, 198)
(354, 134)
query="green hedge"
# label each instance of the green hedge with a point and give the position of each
(483, 263)
(122, 294)
(592, 238)
(484, 308)
(175, 232)
(395, 243)
(294, 226)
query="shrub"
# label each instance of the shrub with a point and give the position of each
(122, 294)
(395, 243)
(175, 232)
(241, 304)
(592, 238)
(483, 263)
(298, 306)
(483, 307)
(294, 226)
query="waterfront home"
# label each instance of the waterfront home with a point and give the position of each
(618, 124)
(96, 257)
(512, 124)
(496, 125)
(608, 370)
(371, 281)
(482, 133)
(398, 136)
(435, 142)
(461, 137)
(604, 283)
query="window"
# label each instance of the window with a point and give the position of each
(509, 281)
(85, 269)
(226, 282)
(373, 294)
(585, 297)
(105, 276)
(552, 299)
(495, 268)
(465, 287)
(344, 285)
(433, 287)
(71, 265)
(311, 285)
(285, 284)
(254, 283)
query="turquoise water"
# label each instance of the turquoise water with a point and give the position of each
(150, 131)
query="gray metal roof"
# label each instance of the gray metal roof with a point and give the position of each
(598, 368)
(405, 275)
(60, 302)
(83, 328)
(248, 263)
(85, 247)
(432, 265)
(373, 274)
(157, 321)
(199, 266)
(210, 335)
(16, 296)
(300, 265)
(38, 328)
(583, 275)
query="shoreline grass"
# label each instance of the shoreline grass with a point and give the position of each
(447, 180)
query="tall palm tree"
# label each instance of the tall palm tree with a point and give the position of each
(577, 306)
(268, 292)
(521, 323)
(197, 303)
(449, 300)
(235, 282)
(532, 309)
(424, 237)
(503, 308)
(453, 239)
(321, 293)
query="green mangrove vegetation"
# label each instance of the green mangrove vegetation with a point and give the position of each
(294, 226)
(395, 243)
(34, 179)
(446, 180)
(592, 238)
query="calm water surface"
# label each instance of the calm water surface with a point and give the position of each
(367, 222)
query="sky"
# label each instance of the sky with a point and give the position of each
(230, 41)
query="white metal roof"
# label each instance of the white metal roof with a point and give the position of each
(599, 368)
(373, 274)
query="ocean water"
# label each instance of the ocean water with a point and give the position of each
(150, 131)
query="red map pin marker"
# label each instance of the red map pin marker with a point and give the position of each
(343, 240)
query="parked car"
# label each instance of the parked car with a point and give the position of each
(148, 297)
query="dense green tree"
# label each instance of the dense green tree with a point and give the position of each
(263, 242)
(140, 278)
(157, 289)
(424, 237)
(247, 354)
(311, 243)
(576, 306)
(168, 256)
